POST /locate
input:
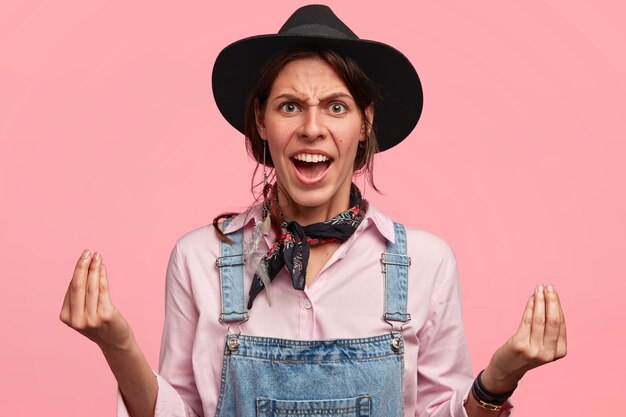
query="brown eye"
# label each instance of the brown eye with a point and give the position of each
(289, 107)
(338, 108)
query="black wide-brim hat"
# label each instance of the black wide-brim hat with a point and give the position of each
(237, 67)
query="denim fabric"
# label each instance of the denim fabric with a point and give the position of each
(267, 377)
(395, 266)
(347, 377)
(359, 406)
(231, 272)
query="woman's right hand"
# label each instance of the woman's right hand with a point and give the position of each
(87, 307)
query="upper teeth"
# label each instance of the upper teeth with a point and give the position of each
(306, 157)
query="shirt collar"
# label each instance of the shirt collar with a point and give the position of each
(242, 219)
(383, 223)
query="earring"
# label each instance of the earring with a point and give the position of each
(264, 166)
(267, 222)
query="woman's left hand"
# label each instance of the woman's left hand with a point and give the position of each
(540, 339)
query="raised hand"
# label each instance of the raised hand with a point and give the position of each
(88, 309)
(541, 338)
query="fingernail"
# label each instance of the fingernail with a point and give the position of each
(97, 256)
(550, 288)
(539, 287)
(85, 254)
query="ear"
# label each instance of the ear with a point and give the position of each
(258, 119)
(367, 124)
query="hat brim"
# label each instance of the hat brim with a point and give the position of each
(237, 67)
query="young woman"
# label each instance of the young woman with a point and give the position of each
(313, 302)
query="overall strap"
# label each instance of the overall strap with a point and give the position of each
(231, 267)
(395, 265)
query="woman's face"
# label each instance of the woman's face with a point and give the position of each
(313, 127)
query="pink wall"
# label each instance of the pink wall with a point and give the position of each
(110, 139)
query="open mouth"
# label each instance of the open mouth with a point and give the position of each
(311, 166)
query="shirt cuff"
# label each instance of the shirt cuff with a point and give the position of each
(168, 402)
(507, 407)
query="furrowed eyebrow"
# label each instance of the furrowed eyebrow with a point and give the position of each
(336, 96)
(289, 97)
(330, 97)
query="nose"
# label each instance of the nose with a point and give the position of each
(312, 124)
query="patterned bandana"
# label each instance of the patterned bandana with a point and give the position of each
(291, 248)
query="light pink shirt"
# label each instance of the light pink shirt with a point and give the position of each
(344, 301)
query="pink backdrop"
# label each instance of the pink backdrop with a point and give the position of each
(110, 139)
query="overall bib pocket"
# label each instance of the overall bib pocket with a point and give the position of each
(345, 407)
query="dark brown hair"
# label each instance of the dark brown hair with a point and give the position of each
(363, 90)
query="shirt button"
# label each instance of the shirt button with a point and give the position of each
(307, 304)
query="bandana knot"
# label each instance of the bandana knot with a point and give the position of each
(291, 248)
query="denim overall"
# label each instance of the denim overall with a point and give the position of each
(267, 377)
